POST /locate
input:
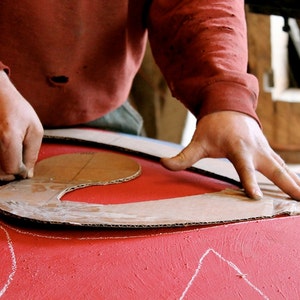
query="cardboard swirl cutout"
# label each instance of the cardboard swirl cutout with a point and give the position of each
(38, 199)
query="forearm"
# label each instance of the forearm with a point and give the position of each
(201, 47)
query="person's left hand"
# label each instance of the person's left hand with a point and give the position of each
(238, 137)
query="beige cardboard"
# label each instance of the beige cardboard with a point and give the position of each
(38, 199)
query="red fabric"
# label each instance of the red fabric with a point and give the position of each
(74, 61)
(202, 48)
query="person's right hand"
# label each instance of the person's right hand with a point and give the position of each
(21, 133)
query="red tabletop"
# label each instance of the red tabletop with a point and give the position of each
(248, 260)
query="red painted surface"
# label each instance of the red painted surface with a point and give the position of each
(250, 260)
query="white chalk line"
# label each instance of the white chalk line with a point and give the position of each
(230, 263)
(13, 262)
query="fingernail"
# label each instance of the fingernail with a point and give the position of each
(30, 173)
(257, 195)
(22, 172)
(7, 178)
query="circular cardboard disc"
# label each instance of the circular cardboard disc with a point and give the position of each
(91, 167)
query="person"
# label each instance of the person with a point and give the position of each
(66, 63)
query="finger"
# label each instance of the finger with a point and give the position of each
(278, 172)
(31, 147)
(246, 172)
(186, 158)
(11, 157)
(293, 175)
(6, 178)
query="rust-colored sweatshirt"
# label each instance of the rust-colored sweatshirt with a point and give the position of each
(74, 61)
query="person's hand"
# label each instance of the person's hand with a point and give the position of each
(21, 133)
(239, 138)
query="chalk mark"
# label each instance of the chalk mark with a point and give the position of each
(230, 263)
(190, 283)
(13, 262)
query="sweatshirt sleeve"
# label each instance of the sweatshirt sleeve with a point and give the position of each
(201, 48)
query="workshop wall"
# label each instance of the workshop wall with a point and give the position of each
(164, 116)
(280, 119)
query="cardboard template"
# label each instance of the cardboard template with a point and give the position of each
(38, 199)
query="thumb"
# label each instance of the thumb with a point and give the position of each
(31, 148)
(185, 159)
